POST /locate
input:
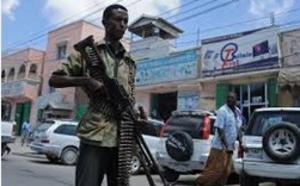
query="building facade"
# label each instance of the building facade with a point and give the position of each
(262, 66)
(70, 102)
(21, 81)
(166, 78)
(246, 63)
(289, 75)
(64, 102)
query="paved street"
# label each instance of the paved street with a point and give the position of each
(36, 170)
(25, 168)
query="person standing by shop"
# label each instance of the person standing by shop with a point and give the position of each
(219, 163)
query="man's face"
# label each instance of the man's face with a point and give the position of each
(231, 99)
(116, 24)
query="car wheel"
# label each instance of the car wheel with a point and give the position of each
(246, 180)
(52, 159)
(69, 156)
(179, 146)
(281, 142)
(135, 165)
(170, 175)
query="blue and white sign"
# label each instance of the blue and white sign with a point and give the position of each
(188, 100)
(249, 51)
(179, 66)
(12, 88)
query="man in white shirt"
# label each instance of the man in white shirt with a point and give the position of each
(218, 165)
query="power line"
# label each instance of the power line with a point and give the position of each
(176, 8)
(86, 16)
(218, 6)
(239, 23)
(288, 24)
(206, 11)
(60, 22)
(45, 34)
(194, 8)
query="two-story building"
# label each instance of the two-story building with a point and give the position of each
(289, 74)
(166, 78)
(21, 85)
(65, 102)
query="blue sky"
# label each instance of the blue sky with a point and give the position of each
(26, 23)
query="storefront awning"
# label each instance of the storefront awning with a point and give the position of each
(289, 76)
(54, 100)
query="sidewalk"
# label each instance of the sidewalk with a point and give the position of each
(17, 149)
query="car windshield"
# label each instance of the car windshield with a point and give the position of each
(261, 121)
(155, 122)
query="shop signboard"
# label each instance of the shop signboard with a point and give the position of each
(243, 52)
(188, 100)
(175, 67)
(290, 48)
(12, 89)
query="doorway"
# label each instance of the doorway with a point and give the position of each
(22, 114)
(162, 105)
(251, 97)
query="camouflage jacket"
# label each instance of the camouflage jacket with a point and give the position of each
(99, 124)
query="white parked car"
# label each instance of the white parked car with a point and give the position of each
(271, 147)
(57, 140)
(8, 132)
(185, 143)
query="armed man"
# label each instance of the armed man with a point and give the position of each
(99, 129)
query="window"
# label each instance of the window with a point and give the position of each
(3, 76)
(21, 73)
(61, 51)
(261, 121)
(251, 97)
(33, 70)
(43, 127)
(11, 75)
(257, 93)
(153, 128)
(66, 129)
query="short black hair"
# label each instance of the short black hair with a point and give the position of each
(231, 93)
(110, 8)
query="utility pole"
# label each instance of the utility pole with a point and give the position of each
(198, 36)
(272, 19)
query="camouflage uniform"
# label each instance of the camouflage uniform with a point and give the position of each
(99, 126)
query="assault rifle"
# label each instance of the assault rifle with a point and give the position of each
(120, 98)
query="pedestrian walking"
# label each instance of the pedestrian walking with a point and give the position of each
(219, 163)
(26, 130)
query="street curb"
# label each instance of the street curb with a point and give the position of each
(29, 154)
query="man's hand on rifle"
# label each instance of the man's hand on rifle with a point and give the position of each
(94, 85)
(142, 118)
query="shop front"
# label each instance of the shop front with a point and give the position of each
(245, 63)
(289, 75)
(289, 87)
(53, 105)
(252, 92)
(168, 83)
(17, 101)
